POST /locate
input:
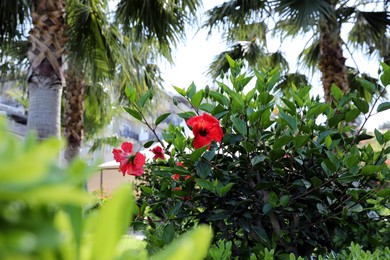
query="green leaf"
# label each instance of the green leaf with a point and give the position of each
(284, 200)
(181, 91)
(206, 107)
(239, 125)
(385, 77)
(379, 137)
(260, 232)
(290, 105)
(134, 113)
(281, 141)
(203, 169)
(218, 97)
(197, 98)
(384, 193)
(316, 110)
(231, 62)
(371, 169)
(300, 140)
(258, 159)
(361, 105)
(191, 90)
(29, 166)
(161, 118)
(205, 184)
(144, 98)
(336, 92)
(113, 221)
(186, 115)
(168, 233)
(352, 114)
(131, 94)
(192, 245)
(328, 141)
(386, 136)
(382, 107)
(367, 85)
(221, 191)
(148, 144)
(197, 153)
(291, 121)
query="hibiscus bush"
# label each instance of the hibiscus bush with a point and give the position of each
(267, 172)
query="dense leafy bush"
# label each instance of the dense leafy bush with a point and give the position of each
(289, 174)
(46, 214)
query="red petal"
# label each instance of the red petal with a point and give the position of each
(127, 147)
(200, 141)
(139, 160)
(118, 154)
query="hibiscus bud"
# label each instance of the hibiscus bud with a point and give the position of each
(206, 91)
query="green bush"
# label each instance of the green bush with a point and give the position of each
(46, 214)
(289, 174)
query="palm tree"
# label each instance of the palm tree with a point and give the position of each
(322, 19)
(98, 51)
(47, 39)
(96, 48)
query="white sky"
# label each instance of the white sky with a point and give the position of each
(193, 57)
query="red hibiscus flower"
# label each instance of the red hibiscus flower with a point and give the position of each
(158, 153)
(206, 129)
(176, 177)
(129, 163)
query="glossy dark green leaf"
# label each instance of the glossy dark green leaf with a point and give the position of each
(203, 169)
(291, 121)
(239, 125)
(258, 159)
(382, 107)
(300, 140)
(379, 137)
(336, 92)
(148, 144)
(282, 141)
(197, 98)
(191, 90)
(181, 91)
(134, 113)
(361, 105)
(316, 110)
(145, 97)
(161, 118)
(352, 114)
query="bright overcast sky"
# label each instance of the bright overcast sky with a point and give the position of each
(193, 57)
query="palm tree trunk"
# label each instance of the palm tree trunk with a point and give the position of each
(74, 112)
(45, 79)
(332, 61)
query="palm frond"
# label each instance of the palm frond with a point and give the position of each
(369, 27)
(13, 59)
(137, 69)
(249, 32)
(302, 13)
(98, 110)
(299, 80)
(14, 16)
(162, 20)
(309, 56)
(220, 65)
(234, 13)
(94, 43)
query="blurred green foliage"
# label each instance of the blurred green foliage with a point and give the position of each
(45, 213)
